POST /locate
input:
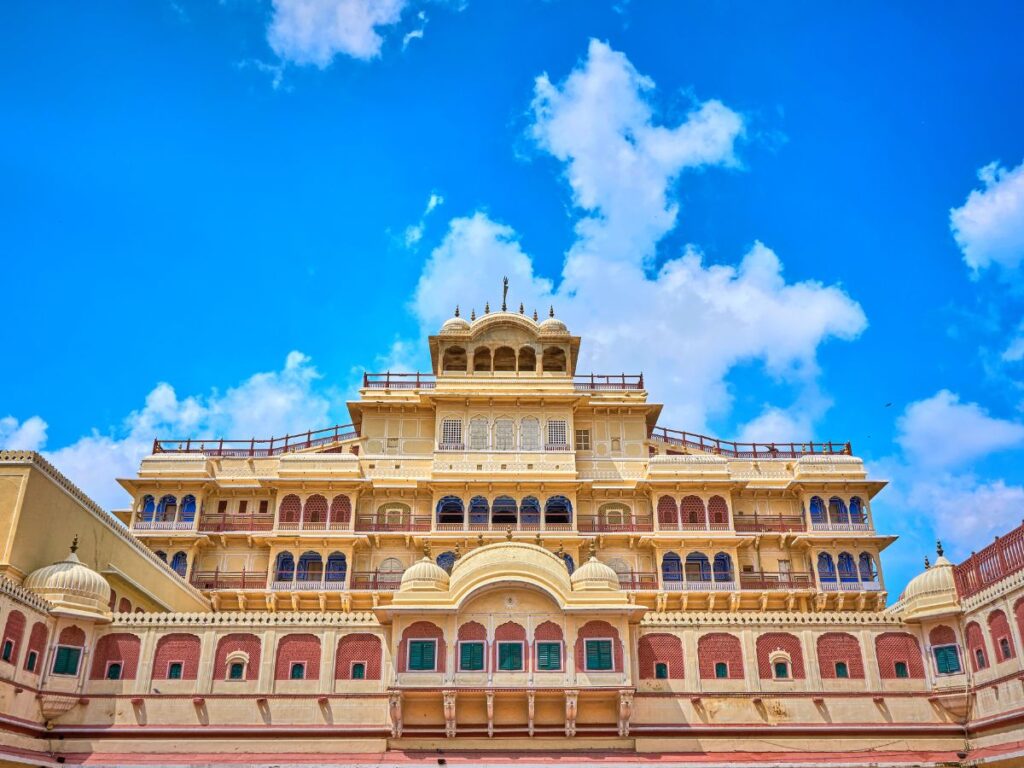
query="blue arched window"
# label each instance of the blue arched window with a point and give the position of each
(446, 560)
(167, 508)
(557, 510)
(284, 568)
(570, 564)
(336, 567)
(179, 563)
(311, 567)
(479, 511)
(450, 510)
(723, 567)
(817, 509)
(148, 508)
(529, 512)
(671, 567)
(847, 567)
(826, 567)
(161, 554)
(698, 567)
(503, 511)
(857, 510)
(188, 509)
(868, 571)
(837, 511)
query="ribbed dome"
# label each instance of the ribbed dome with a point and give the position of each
(593, 575)
(71, 585)
(424, 575)
(455, 325)
(553, 326)
(930, 594)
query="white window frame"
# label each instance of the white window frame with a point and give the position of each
(236, 657)
(458, 655)
(611, 642)
(476, 433)
(449, 427)
(561, 655)
(533, 434)
(781, 656)
(559, 425)
(497, 655)
(408, 653)
(78, 667)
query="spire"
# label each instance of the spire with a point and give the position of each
(551, 311)
(938, 548)
(927, 563)
(74, 544)
(521, 310)
(456, 310)
(472, 315)
(458, 550)
(504, 294)
(535, 315)
(487, 307)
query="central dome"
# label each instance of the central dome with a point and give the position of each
(930, 594)
(594, 575)
(423, 575)
(71, 585)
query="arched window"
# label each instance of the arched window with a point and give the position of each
(311, 567)
(718, 512)
(527, 359)
(478, 433)
(337, 567)
(314, 513)
(479, 511)
(826, 567)
(341, 509)
(780, 669)
(868, 571)
(847, 568)
(553, 360)
(291, 509)
(857, 510)
(450, 510)
(188, 509)
(570, 564)
(179, 563)
(504, 435)
(504, 359)
(161, 554)
(723, 567)
(557, 511)
(529, 512)
(482, 359)
(446, 560)
(454, 359)
(148, 509)
(698, 568)
(671, 568)
(503, 512)
(284, 567)
(817, 510)
(691, 508)
(668, 513)
(613, 515)
(529, 434)
(167, 509)
(389, 572)
(837, 511)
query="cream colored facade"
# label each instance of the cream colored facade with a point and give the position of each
(503, 554)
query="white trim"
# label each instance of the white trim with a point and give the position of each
(561, 655)
(408, 653)
(78, 667)
(497, 655)
(458, 655)
(611, 642)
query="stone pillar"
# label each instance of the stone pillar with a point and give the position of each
(144, 672)
(328, 659)
(207, 654)
(871, 674)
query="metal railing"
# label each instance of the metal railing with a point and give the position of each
(732, 449)
(217, 579)
(275, 446)
(371, 580)
(375, 524)
(220, 523)
(775, 580)
(314, 525)
(998, 560)
(598, 382)
(765, 523)
(817, 525)
(389, 380)
(700, 585)
(310, 585)
(638, 581)
(163, 525)
(852, 585)
(603, 524)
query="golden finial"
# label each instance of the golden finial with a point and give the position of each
(592, 549)
(537, 539)
(927, 564)
(508, 533)
(458, 550)
(561, 549)
(479, 539)
(426, 549)
(74, 544)
(504, 294)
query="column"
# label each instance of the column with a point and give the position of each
(144, 672)
(871, 675)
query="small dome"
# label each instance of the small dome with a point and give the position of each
(930, 594)
(593, 575)
(455, 325)
(553, 326)
(71, 585)
(424, 575)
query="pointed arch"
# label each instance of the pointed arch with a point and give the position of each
(504, 511)
(837, 512)
(284, 567)
(529, 513)
(826, 568)
(847, 568)
(454, 359)
(866, 566)
(341, 510)
(179, 563)
(668, 513)
(698, 567)
(505, 359)
(817, 509)
(337, 567)
(722, 567)
(188, 509)
(857, 513)
(310, 567)
(527, 359)
(558, 511)
(450, 510)
(446, 560)
(314, 512)
(693, 513)
(671, 568)
(290, 510)
(718, 513)
(479, 511)
(481, 359)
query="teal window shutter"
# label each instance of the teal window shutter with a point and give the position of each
(421, 655)
(510, 657)
(947, 660)
(66, 660)
(549, 656)
(471, 657)
(599, 655)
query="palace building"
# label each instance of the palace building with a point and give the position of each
(505, 556)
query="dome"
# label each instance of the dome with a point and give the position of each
(424, 575)
(593, 575)
(553, 326)
(455, 325)
(71, 586)
(930, 594)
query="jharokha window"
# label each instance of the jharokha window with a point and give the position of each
(451, 432)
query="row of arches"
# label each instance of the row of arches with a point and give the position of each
(310, 567)
(845, 569)
(691, 512)
(999, 635)
(697, 567)
(503, 359)
(504, 510)
(315, 510)
(167, 509)
(358, 656)
(836, 511)
(178, 562)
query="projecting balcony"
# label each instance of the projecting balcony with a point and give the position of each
(314, 525)
(768, 523)
(852, 585)
(772, 580)
(605, 524)
(254, 448)
(700, 585)
(163, 525)
(590, 382)
(310, 585)
(638, 581)
(730, 449)
(374, 581)
(392, 524)
(212, 580)
(704, 526)
(484, 526)
(228, 523)
(852, 526)
(595, 382)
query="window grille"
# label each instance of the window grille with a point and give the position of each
(582, 439)
(529, 434)
(504, 435)
(451, 432)
(557, 433)
(478, 434)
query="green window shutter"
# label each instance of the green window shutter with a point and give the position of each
(421, 655)
(510, 657)
(471, 657)
(947, 660)
(599, 654)
(174, 671)
(66, 661)
(359, 671)
(549, 656)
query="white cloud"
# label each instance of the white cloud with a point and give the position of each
(989, 226)
(264, 405)
(414, 232)
(416, 34)
(28, 435)
(1014, 351)
(315, 31)
(941, 432)
(687, 325)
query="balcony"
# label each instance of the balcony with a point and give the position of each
(211, 580)
(390, 380)
(591, 382)
(163, 525)
(730, 449)
(254, 448)
(483, 526)
(310, 585)
(377, 582)
(768, 523)
(638, 581)
(700, 585)
(1001, 558)
(595, 382)
(769, 580)
(839, 527)
(671, 525)
(375, 524)
(227, 523)
(604, 524)
(852, 585)
(314, 525)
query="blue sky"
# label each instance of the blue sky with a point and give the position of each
(216, 215)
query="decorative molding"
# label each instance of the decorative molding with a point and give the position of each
(23, 596)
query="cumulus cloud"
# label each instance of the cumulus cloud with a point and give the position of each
(685, 325)
(315, 31)
(989, 226)
(28, 435)
(264, 405)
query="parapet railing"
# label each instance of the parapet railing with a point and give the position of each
(736, 450)
(275, 446)
(998, 560)
(584, 382)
